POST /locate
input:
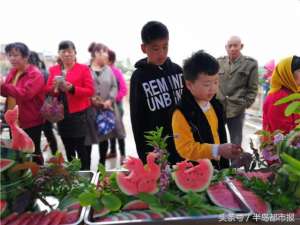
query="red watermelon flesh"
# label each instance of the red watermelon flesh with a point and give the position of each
(9, 218)
(261, 175)
(193, 178)
(5, 164)
(257, 204)
(71, 217)
(221, 196)
(141, 215)
(155, 215)
(39, 216)
(20, 219)
(3, 205)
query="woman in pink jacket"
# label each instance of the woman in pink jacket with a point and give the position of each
(24, 86)
(122, 92)
(285, 81)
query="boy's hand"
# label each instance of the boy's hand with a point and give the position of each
(230, 151)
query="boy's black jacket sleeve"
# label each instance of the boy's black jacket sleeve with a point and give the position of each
(136, 114)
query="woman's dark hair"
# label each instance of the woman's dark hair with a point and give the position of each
(111, 56)
(34, 59)
(154, 30)
(65, 45)
(199, 63)
(21, 47)
(96, 47)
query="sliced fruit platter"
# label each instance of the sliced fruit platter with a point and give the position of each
(185, 193)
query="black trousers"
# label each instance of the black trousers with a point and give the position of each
(121, 143)
(103, 147)
(73, 145)
(35, 134)
(49, 134)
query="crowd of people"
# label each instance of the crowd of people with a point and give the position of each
(192, 104)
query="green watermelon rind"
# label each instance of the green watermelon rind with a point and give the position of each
(200, 189)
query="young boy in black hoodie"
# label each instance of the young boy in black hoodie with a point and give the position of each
(155, 88)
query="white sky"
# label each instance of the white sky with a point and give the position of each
(268, 28)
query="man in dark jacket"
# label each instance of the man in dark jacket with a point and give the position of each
(155, 87)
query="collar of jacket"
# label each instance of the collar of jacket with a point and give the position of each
(198, 121)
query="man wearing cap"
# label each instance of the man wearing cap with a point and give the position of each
(238, 86)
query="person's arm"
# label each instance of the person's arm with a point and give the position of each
(86, 89)
(185, 143)
(33, 86)
(137, 115)
(122, 92)
(252, 86)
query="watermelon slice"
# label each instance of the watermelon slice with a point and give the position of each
(5, 164)
(221, 196)
(193, 178)
(100, 213)
(71, 217)
(136, 205)
(3, 206)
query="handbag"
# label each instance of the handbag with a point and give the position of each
(52, 109)
(105, 121)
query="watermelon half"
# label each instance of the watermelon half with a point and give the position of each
(193, 178)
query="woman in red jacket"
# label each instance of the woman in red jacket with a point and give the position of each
(285, 81)
(72, 83)
(24, 87)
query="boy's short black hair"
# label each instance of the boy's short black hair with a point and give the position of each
(154, 30)
(199, 62)
(21, 47)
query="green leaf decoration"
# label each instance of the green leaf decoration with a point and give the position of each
(87, 198)
(292, 97)
(293, 107)
(111, 201)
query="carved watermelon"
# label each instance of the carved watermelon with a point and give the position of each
(193, 178)
(221, 196)
(140, 179)
(9, 158)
